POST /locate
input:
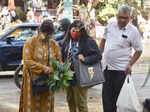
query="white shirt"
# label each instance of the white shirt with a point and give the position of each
(118, 45)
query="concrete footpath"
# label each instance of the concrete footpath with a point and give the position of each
(9, 95)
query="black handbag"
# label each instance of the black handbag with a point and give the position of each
(88, 75)
(39, 83)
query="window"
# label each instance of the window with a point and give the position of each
(23, 33)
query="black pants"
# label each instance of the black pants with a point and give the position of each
(111, 88)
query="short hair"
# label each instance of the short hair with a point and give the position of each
(146, 104)
(47, 27)
(125, 9)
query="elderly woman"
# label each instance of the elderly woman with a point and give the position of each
(79, 45)
(35, 57)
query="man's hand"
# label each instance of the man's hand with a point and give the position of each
(81, 57)
(135, 57)
(128, 69)
(48, 70)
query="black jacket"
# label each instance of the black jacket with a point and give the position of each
(88, 48)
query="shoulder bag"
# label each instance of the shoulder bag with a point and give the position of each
(88, 75)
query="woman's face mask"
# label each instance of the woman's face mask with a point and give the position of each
(75, 33)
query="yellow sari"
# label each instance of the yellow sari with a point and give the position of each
(35, 57)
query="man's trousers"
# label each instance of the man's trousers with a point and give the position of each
(111, 88)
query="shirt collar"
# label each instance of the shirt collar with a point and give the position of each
(126, 27)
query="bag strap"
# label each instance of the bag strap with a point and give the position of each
(48, 53)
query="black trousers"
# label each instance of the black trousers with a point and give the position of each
(111, 88)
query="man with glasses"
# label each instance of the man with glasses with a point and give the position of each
(120, 37)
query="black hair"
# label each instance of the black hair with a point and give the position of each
(146, 104)
(47, 27)
(77, 23)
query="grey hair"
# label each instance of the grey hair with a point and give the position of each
(125, 9)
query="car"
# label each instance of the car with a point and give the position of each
(11, 44)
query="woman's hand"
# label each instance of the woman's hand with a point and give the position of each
(81, 57)
(48, 70)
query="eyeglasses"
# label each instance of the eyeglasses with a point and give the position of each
(77, 31)
(121, 17)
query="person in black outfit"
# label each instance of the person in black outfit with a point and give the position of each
(61, 30)
(79, 45)
(63, 26)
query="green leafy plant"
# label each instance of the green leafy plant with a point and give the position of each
(60, 77)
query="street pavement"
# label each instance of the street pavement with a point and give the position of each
(9, 95)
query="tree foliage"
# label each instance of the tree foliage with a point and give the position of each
(108, 8)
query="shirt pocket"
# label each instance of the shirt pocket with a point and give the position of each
(124, 42)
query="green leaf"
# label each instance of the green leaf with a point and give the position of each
(56, 65)
(65, 83)
(52, 85)
(50, 82)
(56, 77)
(53, 63)
(61, 75)
(60, 67)
(68, 75)
(67, 65)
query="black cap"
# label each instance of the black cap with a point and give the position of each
(64, 24)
